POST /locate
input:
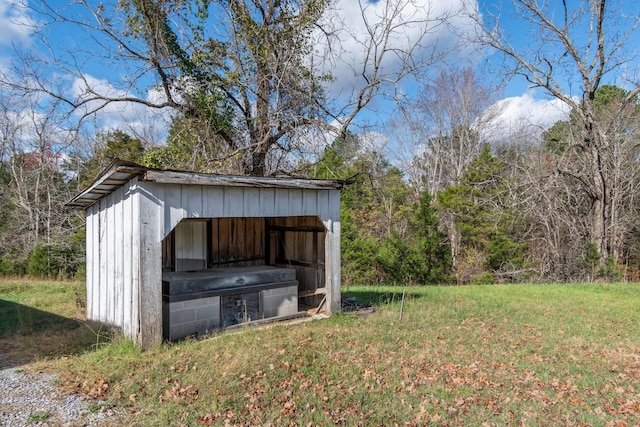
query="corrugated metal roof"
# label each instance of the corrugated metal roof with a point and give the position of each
(120, 172)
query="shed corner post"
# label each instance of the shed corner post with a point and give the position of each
(150, 293)
(333, 264)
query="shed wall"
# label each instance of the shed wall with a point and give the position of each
(124, 243)
(197, 201)
(113, 261)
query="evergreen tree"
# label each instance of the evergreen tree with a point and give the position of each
(431, 243)
(485, 222)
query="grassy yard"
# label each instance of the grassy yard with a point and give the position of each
(476, 355)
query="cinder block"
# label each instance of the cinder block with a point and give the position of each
(194, 303)
(175, 332)
(183, 316)
(207, 312)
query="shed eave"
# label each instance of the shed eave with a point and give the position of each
(193, 178)
(120, 172)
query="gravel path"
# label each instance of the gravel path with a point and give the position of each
(33, 400)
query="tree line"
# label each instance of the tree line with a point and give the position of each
(248, 88)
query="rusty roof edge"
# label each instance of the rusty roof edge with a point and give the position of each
(183, 177)
(117, 165)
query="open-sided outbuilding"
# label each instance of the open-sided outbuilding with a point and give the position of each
(170, 253)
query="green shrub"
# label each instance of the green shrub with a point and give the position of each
(485, 278)
(398, 262)
(54, 260)
(6, 267)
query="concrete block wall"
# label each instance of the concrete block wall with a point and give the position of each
(280, 301)
(203, 315)
(190, 317)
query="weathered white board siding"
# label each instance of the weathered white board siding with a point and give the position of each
(113, 269)
(195, 201)
(191, 245)
(125, 230)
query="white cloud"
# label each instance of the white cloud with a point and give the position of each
(525, 112)
(16, 24)
(424, 35)
(142, 121)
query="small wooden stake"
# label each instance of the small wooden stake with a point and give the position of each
(404, 292)
(321, 304)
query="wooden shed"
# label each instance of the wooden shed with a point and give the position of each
(171, 254)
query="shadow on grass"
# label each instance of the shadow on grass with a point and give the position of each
(379, 296)
(28, 334)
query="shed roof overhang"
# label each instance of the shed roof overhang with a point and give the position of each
(120, 172)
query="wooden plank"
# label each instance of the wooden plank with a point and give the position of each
(259, 238)
(198, 239)
(282, 202)
(191, 242)
(118, 240)
(295, 203)
(309, 202)
(289, 240)
(232, 239)
(309, 264)
(250, 227)
(173, 211)
(192, 201)
(136, 274)
(233, 202)
(301, 247)
(267, 202)
(215, 240)
(90, 243)
(181, 240)
(223, 239)
(214, 202)
(323, 204)
(312, 293)
(111, 258)
(251, 202)
(334, 205)
(127, 278)
(332, 261)
(151, 274)
(102, 261)
(302, 229)
(315, 255)
(240, 238)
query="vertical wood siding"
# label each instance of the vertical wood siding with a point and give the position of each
(125, 230)
(113, 260)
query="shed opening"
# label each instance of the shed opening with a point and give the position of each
(219, 272)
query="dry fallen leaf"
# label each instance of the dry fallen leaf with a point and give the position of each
(205, 420)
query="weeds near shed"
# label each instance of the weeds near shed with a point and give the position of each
(37, 418)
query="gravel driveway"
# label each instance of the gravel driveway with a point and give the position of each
(31, 399)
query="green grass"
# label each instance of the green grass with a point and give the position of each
(477, 355)
(39, 417)
(43, 319)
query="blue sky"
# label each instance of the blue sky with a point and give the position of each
(520, 104)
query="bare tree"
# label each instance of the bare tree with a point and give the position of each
(450, 120)
(571, 48)
(33, 147)
(256, 72)
(445, 127)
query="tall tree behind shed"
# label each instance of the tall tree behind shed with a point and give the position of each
(571, 49)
